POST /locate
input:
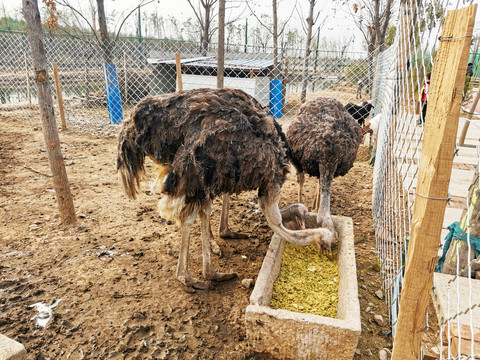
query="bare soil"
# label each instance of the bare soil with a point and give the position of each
(114, 271)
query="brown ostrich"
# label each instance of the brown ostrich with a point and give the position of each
(323, 141)
(209, 142)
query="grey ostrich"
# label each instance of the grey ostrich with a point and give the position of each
(209, 142)
(294, 216)
(323, 140)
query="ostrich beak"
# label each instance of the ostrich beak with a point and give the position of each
(300, 223)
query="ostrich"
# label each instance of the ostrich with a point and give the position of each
(208, 142)
(323, 141)
(359, 112)
(294, 216)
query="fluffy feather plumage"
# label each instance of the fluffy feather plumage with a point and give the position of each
(323, 141)
(213, 141)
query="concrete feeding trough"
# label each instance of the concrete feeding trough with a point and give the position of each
(291, 335)
(11, 349)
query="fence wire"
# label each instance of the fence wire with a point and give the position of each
(400, 74)
(96, 97)
(99, 88)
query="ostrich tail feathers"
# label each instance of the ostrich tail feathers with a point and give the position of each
(130, 160)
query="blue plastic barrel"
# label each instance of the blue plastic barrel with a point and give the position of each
(114, 100)
(276, 98)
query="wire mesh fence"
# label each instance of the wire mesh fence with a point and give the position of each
(96, 96)
(401, 73)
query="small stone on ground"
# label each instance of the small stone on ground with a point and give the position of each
(378, 319)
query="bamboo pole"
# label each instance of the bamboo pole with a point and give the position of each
(461, 140)
(59, 96)
(448, 77)
(29, 95)
(179, 71)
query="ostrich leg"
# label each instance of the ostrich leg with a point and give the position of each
(208, 271)
(225, 231)
(316, 200)
(213, 244)
(182, 266)
(300, 181)
(322, 238)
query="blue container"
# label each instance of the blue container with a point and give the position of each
(114, 100)
(276, 98)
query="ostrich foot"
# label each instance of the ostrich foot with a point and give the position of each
(215, 247)
(229, 234)
(191, 284)
(219, 276)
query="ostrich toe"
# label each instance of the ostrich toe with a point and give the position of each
(229, 234)
(191, 284)
(215, 247)
(219, 276)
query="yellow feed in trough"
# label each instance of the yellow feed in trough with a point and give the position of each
(308, 282)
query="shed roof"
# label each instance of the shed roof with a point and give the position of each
(211, 62)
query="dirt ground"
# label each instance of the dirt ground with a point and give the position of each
(114, 272)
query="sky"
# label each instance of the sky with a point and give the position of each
(337, 24)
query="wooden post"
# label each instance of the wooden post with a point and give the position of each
(49, 126)
(125, 75)
(29, 95)
(448, 77)
(221, 43)
(59, 96)
(461, 140)
(179, 71)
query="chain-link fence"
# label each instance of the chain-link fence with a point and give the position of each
(95, 96)
(401, 76)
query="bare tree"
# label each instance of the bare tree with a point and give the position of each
(50, 134)
(372, 18)
(274, 30)
(102, 23)
(104, 42)
(205, 14)
(311, 20)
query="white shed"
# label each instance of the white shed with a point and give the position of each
(249, 75)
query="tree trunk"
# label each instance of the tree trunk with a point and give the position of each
(307, 51)
(206, 30)
(50, 134)
(102, 23)
(386, 20)
(275, 39)
(221, 43)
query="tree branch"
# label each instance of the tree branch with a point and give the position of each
(130, 13)
(258, 19)
(66, 4)
(285, 23)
